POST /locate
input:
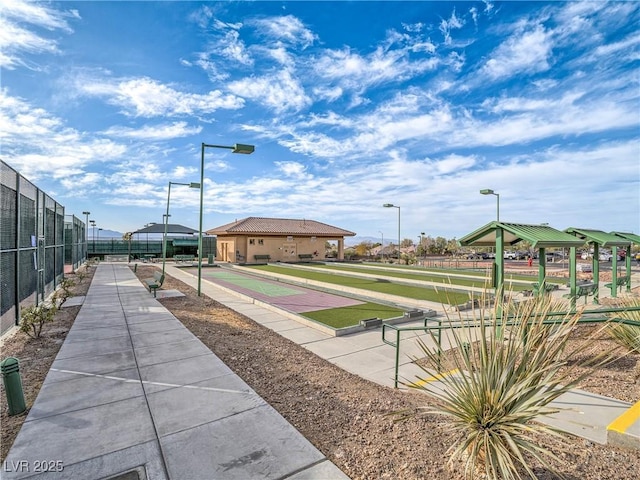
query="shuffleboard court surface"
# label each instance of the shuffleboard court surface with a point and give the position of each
(287, 297)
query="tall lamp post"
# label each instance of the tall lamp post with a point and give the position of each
(488, 191)
(166, 221)
(93, 231)
(99, 230)
(382, 250)
(236, 148)
(391, 205)
(86, 231)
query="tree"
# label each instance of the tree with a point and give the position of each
(364, 248)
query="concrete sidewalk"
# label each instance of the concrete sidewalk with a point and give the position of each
(133, 394)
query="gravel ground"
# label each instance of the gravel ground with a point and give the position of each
(349, 419)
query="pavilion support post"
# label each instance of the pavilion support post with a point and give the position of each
(595, 269)
(573, 281)
(499, 271)
(627, 261)
(614, 272)
(542, 267)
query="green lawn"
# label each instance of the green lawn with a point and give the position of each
(443, 296)
(349, 316)
(469, 273)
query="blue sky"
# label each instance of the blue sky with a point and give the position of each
(350, 105)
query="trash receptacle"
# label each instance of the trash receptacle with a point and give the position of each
(13, 385)
(210, 259)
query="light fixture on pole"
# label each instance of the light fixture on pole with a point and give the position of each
(86, 230)
(236, 148)
(391, 205)
(488, 191)
(166, 219)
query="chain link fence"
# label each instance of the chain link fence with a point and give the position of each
(32, 245)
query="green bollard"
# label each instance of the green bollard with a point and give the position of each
(13, 385)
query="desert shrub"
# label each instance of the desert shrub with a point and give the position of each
(33, 318)
(81, 274)
(503, 376)
(65, 290)
(627, 335)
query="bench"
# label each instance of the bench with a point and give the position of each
(620, 282)
(548, 287)
(154, 283)
(305, 256)
(262, 257)
(184, 258)
(584, 290)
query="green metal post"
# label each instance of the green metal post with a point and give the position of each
(614, 272)
(573, 276)
(542, 268)
(13, 385)
(627, 262)
(395, 383)
(595, 268)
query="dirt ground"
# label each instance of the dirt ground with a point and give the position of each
(349, 419)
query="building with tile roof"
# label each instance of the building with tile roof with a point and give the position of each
(258, 239)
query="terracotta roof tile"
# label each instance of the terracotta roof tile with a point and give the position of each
(280, 226)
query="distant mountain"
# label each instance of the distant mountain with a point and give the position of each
(104, 233)
(353, 241)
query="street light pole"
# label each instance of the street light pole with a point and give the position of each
(391, 205)
(382, 251)
(86, 231)
(166, 221)
(488, 191)
(93, 232)
(236, 148)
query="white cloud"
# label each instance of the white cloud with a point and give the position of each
(287, 29)
(17, 40)
(296, 170)
(454, 23)
(38, 143)
(145, 97)
(154, 132)
(280, 91)
(524, 52)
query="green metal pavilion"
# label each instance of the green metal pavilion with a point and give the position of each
(541, 237)
(597, 239)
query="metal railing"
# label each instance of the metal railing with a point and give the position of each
(478, 323)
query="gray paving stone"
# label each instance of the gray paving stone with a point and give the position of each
(87, 334)
(186, 407)
(149, 339)
(81, 435)
(56, 375)
(84, 391)
(182, 372)
(170, 352)
(98, 347)
(256, 443)
(147, 455)
(157, 326)
(102, 364)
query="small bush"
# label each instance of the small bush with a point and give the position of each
(65, 290)
(33, 318)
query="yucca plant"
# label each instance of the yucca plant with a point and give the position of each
(503, 377)
(627, 335)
